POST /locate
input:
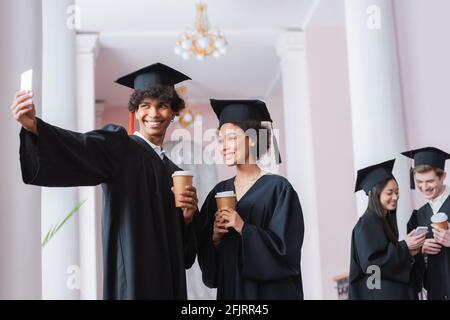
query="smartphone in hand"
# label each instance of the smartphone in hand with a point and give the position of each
(26, 80)
(420, 230)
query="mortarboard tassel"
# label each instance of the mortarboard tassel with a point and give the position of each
(131, 123)
(412, 182)
(276, 148)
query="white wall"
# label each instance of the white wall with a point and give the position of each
(424, 51)
(333, 152)
(20, 250)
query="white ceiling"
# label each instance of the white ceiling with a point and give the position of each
(135, 33)
(124, 15)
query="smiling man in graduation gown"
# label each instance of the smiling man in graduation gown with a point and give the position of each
(147, 242)
(432, 266)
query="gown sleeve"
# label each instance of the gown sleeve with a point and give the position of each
(190, 243)
(63, 158)
(274, 252)
(206, 252)
(419, 267)
(374, 249)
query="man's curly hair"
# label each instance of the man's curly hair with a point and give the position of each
(164, 94)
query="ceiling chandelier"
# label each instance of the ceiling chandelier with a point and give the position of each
(202, 41)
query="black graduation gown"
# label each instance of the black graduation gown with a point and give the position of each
(146, 244)
(371, 246)
(434, 275)
(263, 263)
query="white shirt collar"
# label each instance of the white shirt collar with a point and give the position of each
(437, 203)
(157, 149)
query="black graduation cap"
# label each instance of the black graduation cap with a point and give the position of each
(235, 111)
(229, 111)
(429, 156)
(153, 75)
(369, 177)
(150, 76)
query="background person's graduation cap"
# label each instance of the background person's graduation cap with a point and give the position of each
(235, 111)
(153, 75)
(428, 156)
(369, 177)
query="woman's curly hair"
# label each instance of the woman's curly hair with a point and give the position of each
(164, 94)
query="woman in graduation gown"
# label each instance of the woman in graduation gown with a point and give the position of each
(380, 265)
(252, 252)
(147, 242)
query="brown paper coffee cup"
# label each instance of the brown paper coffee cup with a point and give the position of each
(226, 199)
(439, 220)
(181, 179)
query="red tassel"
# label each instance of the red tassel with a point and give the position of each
(131, 123)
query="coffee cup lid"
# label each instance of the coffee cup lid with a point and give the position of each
(225, 194)
(439, 217)
(183, 173)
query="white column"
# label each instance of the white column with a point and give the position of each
(87, 50)
(299, 152)
(20, 215)
(60, 258)
(377, 117)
